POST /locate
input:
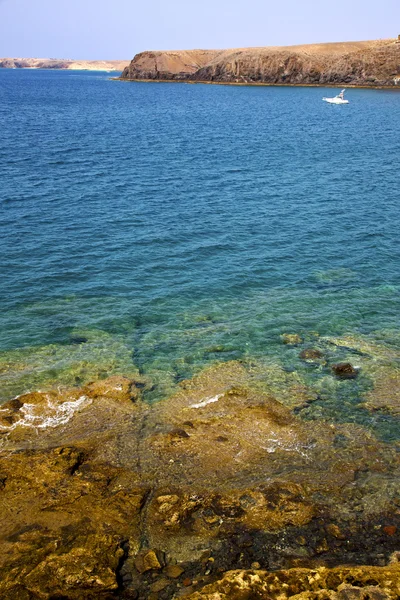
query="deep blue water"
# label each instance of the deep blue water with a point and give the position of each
(166, 226)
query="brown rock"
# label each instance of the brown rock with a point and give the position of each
(301, 540)
(394, 557)
(334, 531)
(87, 494)
(169, 500)
(36, 408)
(177, 434)
(66, 534)
(322, 547)
(147, 561)
(115, 388)
(174, 571)
(15, 404)
(385, 395)
(377, 583)
(344, 370)
(311, 354)
(390, 530)
(159, 585)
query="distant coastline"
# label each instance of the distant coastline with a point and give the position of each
(368, 64)
(63, 64)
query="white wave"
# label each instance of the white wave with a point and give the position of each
(277, 444)
(38, 417)
(206, 401)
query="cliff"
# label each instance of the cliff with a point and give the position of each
(370, 63)
(55, 63)
(181, 64)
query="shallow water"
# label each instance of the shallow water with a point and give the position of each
(157, 228)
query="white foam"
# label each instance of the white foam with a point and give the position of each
(206, 401)
(277, 444)
(56, 414)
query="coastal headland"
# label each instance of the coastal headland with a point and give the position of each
(64, 64)
(366, 64)
(221, 491)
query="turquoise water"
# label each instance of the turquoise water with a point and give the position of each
(158, 228)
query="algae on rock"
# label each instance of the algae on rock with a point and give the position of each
(105, 494)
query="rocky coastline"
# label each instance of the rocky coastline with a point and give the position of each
(353, 64)
(220, 491)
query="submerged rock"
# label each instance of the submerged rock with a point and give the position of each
(380, 367)
(311, 355)
(362, 346)
(292, 339)
(115, 388)
(385, 394)
(345, 370)
(49, 367)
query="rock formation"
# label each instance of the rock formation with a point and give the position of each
(105, 496)
(372, 63)
(168, 65)
(344, 583)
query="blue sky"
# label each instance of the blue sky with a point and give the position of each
(95, 29)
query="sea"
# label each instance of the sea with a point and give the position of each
(155, 229)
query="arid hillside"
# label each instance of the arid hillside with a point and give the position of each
(179, 64)
(369, 63)
(55, 63)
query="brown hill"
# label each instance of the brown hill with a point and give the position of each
(55, 63)
(171, 64)
(369, 63)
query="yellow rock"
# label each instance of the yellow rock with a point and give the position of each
(382, 583)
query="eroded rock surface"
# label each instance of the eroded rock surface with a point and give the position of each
(385, 395)
(343, 583)
(106, 496)
(169, 64)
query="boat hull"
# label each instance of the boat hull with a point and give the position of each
(335, 101)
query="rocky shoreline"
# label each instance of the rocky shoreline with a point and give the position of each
(351, 64)
(261, 84)
(221, 491)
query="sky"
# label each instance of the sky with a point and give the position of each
(96, 29)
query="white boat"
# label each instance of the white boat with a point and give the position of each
(339, 99)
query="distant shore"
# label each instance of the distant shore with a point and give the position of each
(57, 64)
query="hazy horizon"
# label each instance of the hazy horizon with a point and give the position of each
(94, 31)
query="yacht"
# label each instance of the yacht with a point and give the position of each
(339, 99)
